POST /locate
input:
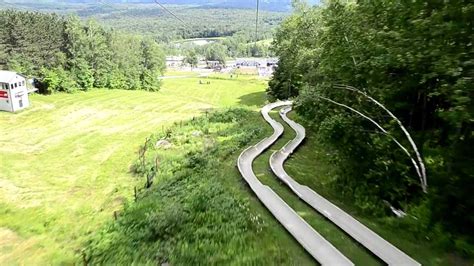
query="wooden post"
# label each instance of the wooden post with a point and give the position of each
(85, 261)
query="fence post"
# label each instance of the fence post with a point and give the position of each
(85, 261)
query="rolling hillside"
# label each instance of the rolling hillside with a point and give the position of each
(65, 161)
(270, 5)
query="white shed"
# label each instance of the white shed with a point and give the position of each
(13, 91)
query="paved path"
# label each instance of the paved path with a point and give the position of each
(373, 242)
(314, 243)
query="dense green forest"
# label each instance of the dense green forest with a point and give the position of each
(220, 49)
(67, 54)
(239, 45)
(416, 58)
(152, 21)
(233, 28)
(271, 5)
(199, 22)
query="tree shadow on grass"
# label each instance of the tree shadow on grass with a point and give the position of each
(253, 99)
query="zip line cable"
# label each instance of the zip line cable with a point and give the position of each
(184, 23)
(104, 3)
(171, 13)
(413, 161)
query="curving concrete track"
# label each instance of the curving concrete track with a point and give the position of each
(373, 242)
(313, 242)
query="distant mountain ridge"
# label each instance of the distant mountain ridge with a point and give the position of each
(270, 5)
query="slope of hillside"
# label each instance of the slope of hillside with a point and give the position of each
(271, 5)
(65, 161)
(149, 19)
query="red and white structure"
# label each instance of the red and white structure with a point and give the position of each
(13, 91)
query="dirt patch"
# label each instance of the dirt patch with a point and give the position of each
(19, 196)
(9, 190)
(7, 237)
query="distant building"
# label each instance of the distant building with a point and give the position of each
(174, 61)
(272, 62)
(13, 91)
(256, 62)
(216, 65)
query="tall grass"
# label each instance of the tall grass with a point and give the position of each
(196, 213)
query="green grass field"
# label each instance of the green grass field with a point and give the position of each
(199, 211)
(65, 169)
(65, 161)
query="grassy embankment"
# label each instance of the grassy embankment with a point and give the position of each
(199, 210)
(65, 161)
(185, 206)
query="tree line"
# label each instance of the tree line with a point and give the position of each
(416, 58)
(67, 54)
(199, 22)
(220, 51)
(240, 44)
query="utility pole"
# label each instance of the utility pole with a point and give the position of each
(256, 25)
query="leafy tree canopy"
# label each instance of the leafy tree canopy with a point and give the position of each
(416, 57)
(68, 54)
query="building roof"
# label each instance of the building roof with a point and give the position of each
(174, 58)
(9, 76)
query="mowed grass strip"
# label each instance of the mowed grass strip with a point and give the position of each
(64, 162)
(344, 243)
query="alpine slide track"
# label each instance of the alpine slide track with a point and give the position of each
(318, 247)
